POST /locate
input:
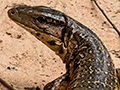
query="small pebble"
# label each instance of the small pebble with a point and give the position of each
(12, 68)
(1, 41)
(8, 68)
(35, 82)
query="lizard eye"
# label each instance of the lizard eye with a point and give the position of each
(41, 19)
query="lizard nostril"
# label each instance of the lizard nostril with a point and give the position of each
(12, 11)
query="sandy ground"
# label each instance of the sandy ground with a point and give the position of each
(27, 62)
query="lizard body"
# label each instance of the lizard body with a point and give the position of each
(88, 63)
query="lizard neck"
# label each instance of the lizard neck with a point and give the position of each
(85, 50)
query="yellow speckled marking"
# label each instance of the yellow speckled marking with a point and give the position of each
(82, 55)
(88, 81)
(90, 77)
(82, 36)
(116, 81)
(84, 47)
(91, 72)
(83, 81)
(111, 83)
(89, 87)
(108, 64)
(111, 77)
(82, 75)
(75, 85)
(90, 68)
(90, 51)
(90, 59)
(81, 85)
(104, 85)
(106, 72)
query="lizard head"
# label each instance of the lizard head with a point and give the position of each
(40, 18)
(46, 24)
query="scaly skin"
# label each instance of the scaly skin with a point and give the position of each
(88, 63)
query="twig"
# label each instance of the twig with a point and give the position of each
(6, 84)
(107, 18)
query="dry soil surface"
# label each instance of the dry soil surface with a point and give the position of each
(27, 62)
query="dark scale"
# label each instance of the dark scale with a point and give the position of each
(38, 34)
(88, 63)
